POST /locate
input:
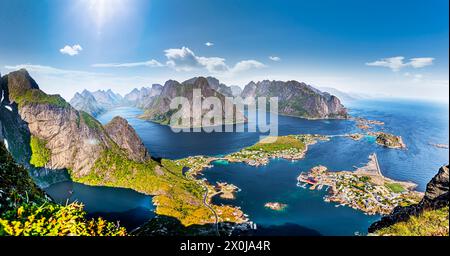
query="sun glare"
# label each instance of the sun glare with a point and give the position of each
(103, 11)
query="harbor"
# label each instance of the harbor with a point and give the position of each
(364, 189)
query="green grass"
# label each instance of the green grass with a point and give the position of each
(388, 140)
(364, 179)
(429, 223)
(174, 195)
(281, 143)
(90, 121)
(36, 96)
(40, 155)
(25, 209)
(16, 185)
(395, 187)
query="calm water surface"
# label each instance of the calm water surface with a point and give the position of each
(419, 123)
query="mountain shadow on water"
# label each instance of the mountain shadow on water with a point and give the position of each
(130, 219)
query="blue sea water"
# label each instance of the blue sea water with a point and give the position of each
(419, 123)
(115, 204)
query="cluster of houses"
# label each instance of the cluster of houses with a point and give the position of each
(354, 191)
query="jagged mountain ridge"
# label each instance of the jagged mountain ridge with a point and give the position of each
(159, 111)
(143, 98)
(86, 102)
(74, 138)
(297, 99)
(215, 84)
(96, 103)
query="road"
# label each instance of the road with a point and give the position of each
(216, 222)
(205, 202)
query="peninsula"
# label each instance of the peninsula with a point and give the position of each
(364, 189)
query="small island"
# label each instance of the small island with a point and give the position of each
(355, 136)
(365, 189)
(276, 206)
(290, 147)
(388, 140)
(365, 124)
(381, 138)
(443, 146)
(226, 191)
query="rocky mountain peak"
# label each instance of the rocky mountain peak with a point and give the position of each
(296, 99)
(156, 86)
(18, 82)
(436, 194)
(126, 138)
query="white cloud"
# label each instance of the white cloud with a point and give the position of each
(421, 62)
(213, 64)
(274, 58)
(397, 63)
(209, 44)
(246, 65)
(183, 59)
(150, 63)
(47, 70)
(71, 50)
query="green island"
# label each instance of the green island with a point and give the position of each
(381, 138)
(290, 147)
(364, 189)
(388, 140)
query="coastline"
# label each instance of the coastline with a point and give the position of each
(364, 189)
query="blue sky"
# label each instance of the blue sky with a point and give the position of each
(383, 48)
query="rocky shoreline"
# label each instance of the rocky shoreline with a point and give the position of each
(364, 189)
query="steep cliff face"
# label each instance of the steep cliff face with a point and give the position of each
(160, 111)
(75, 140)
(297, 99)
(13, 130)
(436, 197)
(126, 138)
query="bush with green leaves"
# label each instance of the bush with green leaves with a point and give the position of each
(40, 153)
(51, 219)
